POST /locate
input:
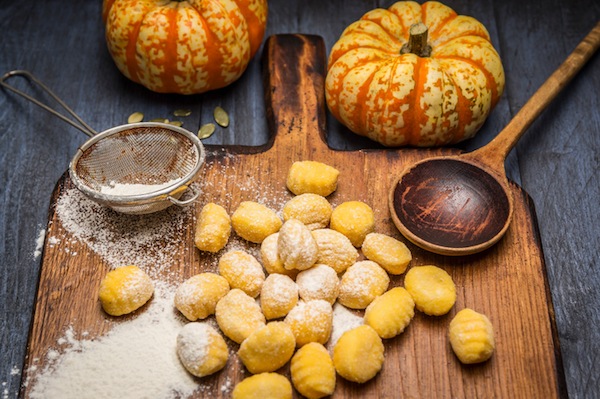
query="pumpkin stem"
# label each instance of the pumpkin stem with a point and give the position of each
(417, 41)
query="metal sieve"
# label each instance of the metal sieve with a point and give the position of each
(136, 168)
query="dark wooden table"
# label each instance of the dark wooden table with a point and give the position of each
(556, 162)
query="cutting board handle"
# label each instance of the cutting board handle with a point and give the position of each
(294, 69)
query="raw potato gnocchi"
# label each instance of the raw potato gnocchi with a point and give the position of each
(278, 296)
(197, 296)
(312, 371)
(391, 254)
(318, 282)
(335, 250)
(238, 315)
(390, 313)
(311, 321)
(201, 349)
(311, 209)
(212, 229)
(358, 355)
(471, 336)
(270, 257)
(254, 222)
(296, 246)
(263, 386)
(312, 177)
(268, 348)
(432, 289)
(354, 219)
(362, 283)
(124, 290)
(242, 271)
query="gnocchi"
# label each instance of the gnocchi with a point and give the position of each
(312, 177)
(270, 257)
(362, 283)
(311, 209)
(243, 271)
(262, 386)
(318, 282)
(124, 290)
(335, 250)
(432, 289)
(201, 349)
(354, 219)
(390, 313)
(197, 296)
(391, 254)
(238, 315)
(312, 371)
(254, 222)
(278, 296)
(471, 336)
(212, 229)
(296, 246)
(311, 321)
(268, 348)
(358, 354)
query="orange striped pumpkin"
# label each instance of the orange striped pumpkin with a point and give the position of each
(434, 86)
(184, 47)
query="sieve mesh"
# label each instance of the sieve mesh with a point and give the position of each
(141, 155)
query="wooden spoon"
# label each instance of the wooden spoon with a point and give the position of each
(460, 205)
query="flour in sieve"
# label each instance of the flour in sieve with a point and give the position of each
(147, 241)
(136, 359)
(114, 188)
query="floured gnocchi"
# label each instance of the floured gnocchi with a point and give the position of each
(311, 321)
(197, 296)
(335, 250)
(311, 209)
(268, 348)
(318, 282)
(124, 290)
(362, 283)
(238, 315)
(296, 246)
(242, 271)
(201, 349)
(278, 296)
(213, 228)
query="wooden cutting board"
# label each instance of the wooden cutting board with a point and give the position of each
(507, 282)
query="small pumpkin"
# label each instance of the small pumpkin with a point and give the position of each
(418, 75)
(184, 47)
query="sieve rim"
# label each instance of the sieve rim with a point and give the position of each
(162, 194)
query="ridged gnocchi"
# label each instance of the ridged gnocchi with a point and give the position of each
(311, 321)
(335, 250)
(263, 386)
(124, 290)
(212, 229)
(255, 222)
(432, 289)
(312, 371)
(311, 209)
(238, 315)
(268, 348)
(278, 296)
(390, 313)
(362, 283)
(354, 219)
(201, 349)
(471, 336)
(358, 354)
(391, 254)
(312, 177)
(242, 270)
(197, 297)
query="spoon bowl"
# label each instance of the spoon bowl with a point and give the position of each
(461, 205)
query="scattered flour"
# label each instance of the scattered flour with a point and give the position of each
(39, 243)
(344, 319)
(136, 359)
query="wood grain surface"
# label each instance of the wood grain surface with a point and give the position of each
(507, 283)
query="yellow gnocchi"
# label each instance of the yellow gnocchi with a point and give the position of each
(318, 282)
(271, 261)
(242, 271)
(311, 209)
(432, 289)
(197, 296)
(312, 371)
(268, 348)
(312, 177)
(362, 283)
(390, 313)
(358, 354)
(238, 315)
(124, 290)
(254, 222)
(471, 336)
(212, 229)
(335, 250)
(391, 254)
(201, 349)
(278, 296)
(262, 386)
(311, 321)
(296, 246)
(354, 219)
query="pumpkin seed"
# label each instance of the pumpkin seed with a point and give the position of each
(135, 117)
(182, 112)
(176, 123)
(221, 116)
(162, 120)
(206, 130)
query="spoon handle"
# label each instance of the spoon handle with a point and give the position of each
(497, 150)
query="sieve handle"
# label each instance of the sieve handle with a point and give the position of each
(195, 195)
(81, 125)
